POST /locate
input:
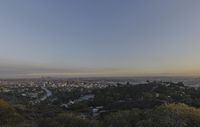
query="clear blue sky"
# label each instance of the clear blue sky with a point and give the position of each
(99, 37)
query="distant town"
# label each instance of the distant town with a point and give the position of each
(95, 102)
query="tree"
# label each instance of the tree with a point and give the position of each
(8, 115)
(172, 115)
(127, 118)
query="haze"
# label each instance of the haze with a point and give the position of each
(99, 38)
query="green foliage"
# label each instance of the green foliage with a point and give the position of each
(8, 115)
(167, 115)
(172, 115)
(123, 118)
(154, 104)
(68, 120)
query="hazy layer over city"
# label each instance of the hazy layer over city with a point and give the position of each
(99, 38)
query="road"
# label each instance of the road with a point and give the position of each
(48, 94)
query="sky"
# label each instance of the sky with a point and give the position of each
(70, 38)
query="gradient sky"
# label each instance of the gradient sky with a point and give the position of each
(99, 37)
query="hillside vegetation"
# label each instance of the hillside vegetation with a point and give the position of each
(154, 104)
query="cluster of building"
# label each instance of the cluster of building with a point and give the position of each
(37, 90)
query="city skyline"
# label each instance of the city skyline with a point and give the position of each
(99, 38)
